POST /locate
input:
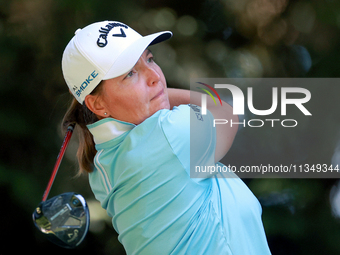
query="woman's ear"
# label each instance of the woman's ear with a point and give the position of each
(95, 105)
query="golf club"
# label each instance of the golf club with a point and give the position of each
(65, 218)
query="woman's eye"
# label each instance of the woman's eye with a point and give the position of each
(129, 74)
(150, 59)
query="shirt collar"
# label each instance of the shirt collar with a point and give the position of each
(107, 129)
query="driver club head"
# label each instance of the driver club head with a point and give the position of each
(64, 219)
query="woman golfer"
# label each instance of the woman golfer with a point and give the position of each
(135, 144)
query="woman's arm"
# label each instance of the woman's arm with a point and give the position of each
(225, 133)
(178, 97)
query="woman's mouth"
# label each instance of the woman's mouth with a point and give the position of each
(158, 95)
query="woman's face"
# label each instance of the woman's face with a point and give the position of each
(138, 94)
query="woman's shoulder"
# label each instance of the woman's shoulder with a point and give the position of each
(177, 117)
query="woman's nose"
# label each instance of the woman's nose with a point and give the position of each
(152, 76)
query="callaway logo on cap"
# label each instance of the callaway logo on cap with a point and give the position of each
(102, 51)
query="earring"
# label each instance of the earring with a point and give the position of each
(105, 113)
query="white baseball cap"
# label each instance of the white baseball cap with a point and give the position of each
(102, 51)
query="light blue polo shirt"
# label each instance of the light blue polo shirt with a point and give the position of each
(141, 178)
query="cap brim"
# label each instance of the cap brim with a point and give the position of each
(129, 57)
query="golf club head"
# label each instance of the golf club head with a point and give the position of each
(64, 219)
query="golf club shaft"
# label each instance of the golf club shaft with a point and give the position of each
(59, 158)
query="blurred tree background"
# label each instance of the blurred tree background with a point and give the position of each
(212, 38)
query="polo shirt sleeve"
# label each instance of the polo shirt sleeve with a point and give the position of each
(191, 136)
